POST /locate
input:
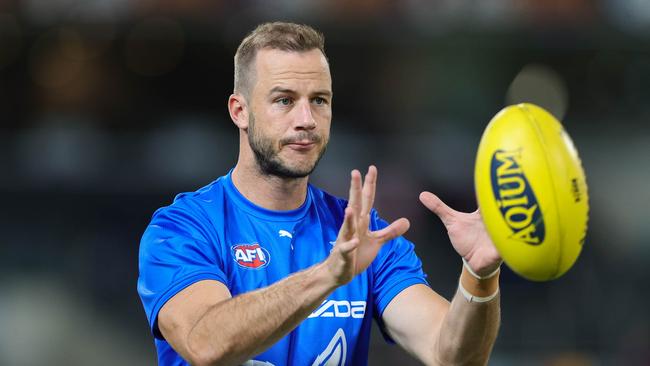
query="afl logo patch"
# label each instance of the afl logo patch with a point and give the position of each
(251, 256)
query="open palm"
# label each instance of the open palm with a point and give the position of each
(467, 234)
(356, 246)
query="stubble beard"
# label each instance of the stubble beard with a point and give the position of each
(267, 155)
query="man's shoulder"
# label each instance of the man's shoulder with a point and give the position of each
(327, 200)
(324, 198)
(205, 194)
(196, 201)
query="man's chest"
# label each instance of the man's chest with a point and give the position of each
(257, 254)
(260, 254)
(265, 253)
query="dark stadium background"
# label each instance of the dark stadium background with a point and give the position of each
(109, 108)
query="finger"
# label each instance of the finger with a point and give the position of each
(369, 187)
(347, 228)
(392, 231)
(435, 204)
(347, 246)
(355, 192)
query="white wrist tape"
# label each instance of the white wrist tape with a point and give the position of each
(471, 298)
(469, 269)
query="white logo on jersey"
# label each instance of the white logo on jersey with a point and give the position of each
(284, 233)
(335, 353)
(340, 309)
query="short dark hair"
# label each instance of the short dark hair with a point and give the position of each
(275, 35)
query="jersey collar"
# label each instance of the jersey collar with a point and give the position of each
(271, 215)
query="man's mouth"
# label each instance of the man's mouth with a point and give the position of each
(302, 145)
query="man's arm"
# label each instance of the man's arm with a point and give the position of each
(208, 327)
(205, 326)
(439, 333)
(463, 332)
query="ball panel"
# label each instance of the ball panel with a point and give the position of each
(544, 125)
(569, 184)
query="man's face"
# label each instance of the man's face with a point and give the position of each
(290, 111)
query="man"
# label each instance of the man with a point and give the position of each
(261, 268)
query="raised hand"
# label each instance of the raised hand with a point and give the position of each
(467, 235)
(356, 246)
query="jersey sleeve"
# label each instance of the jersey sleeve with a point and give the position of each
(396, 268)
(175, 252)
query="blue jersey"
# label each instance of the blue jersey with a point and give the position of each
(217, 234)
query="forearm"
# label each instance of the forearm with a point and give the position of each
(235, 330)
(469, 329)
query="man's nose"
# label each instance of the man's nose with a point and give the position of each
(305, 118)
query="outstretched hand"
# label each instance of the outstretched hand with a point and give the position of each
(467, 235)
(356, 246)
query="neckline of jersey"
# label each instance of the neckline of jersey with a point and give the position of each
(271, 215)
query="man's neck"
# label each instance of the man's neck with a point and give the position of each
(269, 191)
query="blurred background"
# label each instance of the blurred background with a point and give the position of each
(111, 107)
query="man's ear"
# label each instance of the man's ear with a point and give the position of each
(238, 109)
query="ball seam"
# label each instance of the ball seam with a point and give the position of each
(540, 137)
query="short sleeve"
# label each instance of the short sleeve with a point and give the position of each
(396, 268)
(175, 252)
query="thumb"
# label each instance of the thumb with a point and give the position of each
(435, 204)
(346, 232)
(392, 231)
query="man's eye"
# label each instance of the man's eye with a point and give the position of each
(284, 101)
(319, 100)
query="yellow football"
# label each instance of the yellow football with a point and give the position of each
(532, 192)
